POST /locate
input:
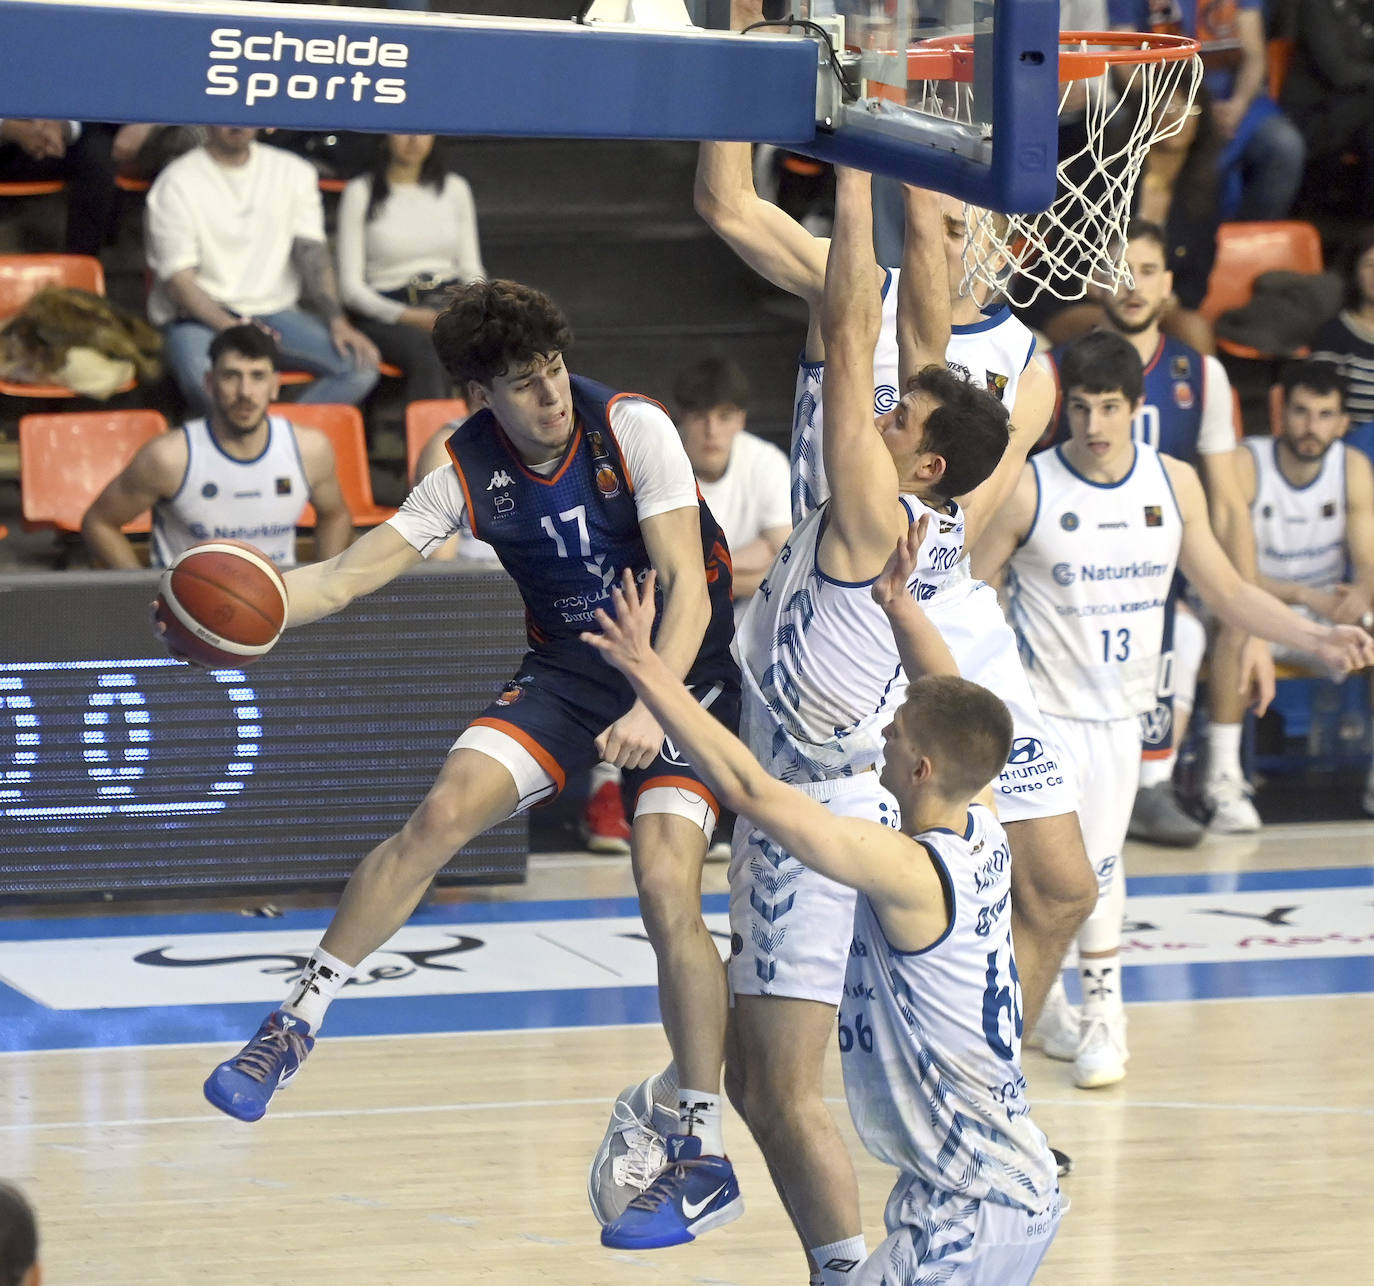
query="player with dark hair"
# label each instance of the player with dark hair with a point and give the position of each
(1090, 539)
(239, 473)
(929, 1021)
(1187, 412)
(572, 483)
(18, 1240)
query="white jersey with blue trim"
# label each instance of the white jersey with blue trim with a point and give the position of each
(820, 665)
(930, 1041)
(222, 498)
(1299, 531)
(1088, 584)
(992, 353)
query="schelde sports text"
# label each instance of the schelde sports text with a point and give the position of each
(230, 47)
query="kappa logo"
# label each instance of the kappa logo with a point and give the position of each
(500, 479)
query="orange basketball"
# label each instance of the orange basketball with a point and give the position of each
(222, 603)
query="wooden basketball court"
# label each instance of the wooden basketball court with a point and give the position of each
(1237, 1150)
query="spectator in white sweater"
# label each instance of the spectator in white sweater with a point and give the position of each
(407, 231)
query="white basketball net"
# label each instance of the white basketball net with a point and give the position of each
(1080, 240)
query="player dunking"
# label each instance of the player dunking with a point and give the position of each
(930, 1020)
(821, 676)
(994, 351)
(572, 483)
(1091, 538)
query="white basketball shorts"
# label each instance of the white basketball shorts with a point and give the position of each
(1106, 761)
(790, 928)
(958, 1240)
(1038, 779)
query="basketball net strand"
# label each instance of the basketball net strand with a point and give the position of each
(1080, 241)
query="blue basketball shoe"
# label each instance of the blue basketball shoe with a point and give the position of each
(244, 1085)
(691, 1194)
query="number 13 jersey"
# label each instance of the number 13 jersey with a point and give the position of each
(1087, 586)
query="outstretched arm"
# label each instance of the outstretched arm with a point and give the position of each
(1343, 648)
(865, 855)
(923, 303)
(919, 645)
(865, 517)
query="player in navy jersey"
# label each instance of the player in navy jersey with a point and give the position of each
(572, 483)
(1187, 413)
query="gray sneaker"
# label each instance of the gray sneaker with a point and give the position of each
(632, 1151)
(1157, 818)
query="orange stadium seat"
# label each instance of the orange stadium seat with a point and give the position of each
(423, 419)
(31, 187)
(343, 425)
(22, 277)
(1244, 251)
(65, 461)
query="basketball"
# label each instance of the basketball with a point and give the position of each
(222, 604)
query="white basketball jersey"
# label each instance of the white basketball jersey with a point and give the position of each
(930, 1041)
(991, 353)
(220, 498)
(1299, 531)
(1088, 584)
(821, 674)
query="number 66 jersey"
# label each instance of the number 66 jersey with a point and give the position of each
(930, 1041)
(1087, 586)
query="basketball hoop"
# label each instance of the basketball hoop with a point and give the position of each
(1080, 240)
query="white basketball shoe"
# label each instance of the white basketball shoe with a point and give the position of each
(1102, 1054)
(1232, 811)
(632, 1150)
(1057, 1030)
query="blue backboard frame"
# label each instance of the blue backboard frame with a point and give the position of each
(271, 65)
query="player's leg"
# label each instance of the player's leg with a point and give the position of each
(472, 793)
(674, 817)
(1225, 790)
(1105, 756)
(516, 754)
(1157, 817)
(782, 1045)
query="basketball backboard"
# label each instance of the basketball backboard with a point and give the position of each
(330, 68)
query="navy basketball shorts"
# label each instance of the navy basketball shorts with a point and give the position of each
(543, 729)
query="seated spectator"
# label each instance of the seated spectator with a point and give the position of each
(143, 151)
(236, 474)
(79, 156)
(1329, 89)
(1347, 340)
(18, 1240)
(1311, 501)
(407, 232)
(1262, 160)
(744, 479)
(235, 232)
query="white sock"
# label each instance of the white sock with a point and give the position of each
(1100, 979)
(321, 980)
(699, 1114)
(602, 772)
(665, 1087)
(839, 1260)
(1223, 751)
(1155, 772)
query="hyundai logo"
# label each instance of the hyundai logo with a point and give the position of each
(1025, 750)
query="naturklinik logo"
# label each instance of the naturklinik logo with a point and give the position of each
(339, 60)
